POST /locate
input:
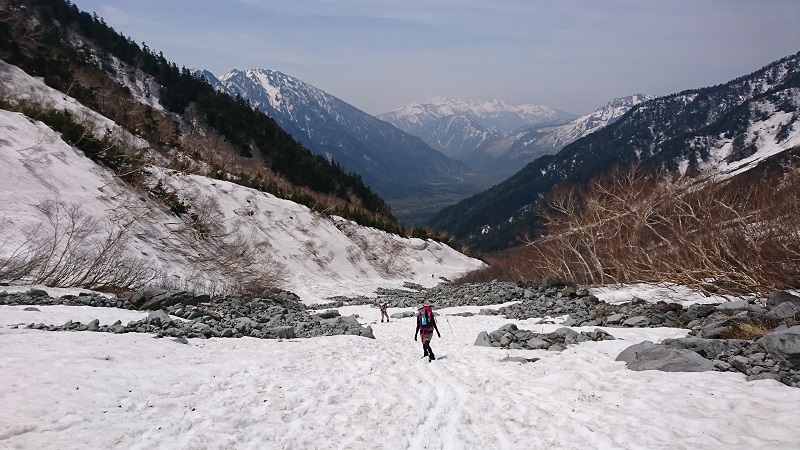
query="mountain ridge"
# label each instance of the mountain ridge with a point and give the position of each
(395, 163)
(684, 133)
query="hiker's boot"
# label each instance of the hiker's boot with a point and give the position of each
(431, 357)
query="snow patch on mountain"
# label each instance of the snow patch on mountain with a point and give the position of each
(777, 132)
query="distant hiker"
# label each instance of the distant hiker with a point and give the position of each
(384, 307)
(426, 324)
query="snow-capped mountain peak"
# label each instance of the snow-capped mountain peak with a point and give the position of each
(492, 115)
(456, 126)
(271, 89)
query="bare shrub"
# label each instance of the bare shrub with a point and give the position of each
(72, 249)
(390, 259)
(204, 216)
(728, 237)
(25, 256)
(243, 266)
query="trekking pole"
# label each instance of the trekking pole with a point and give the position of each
(448, 324)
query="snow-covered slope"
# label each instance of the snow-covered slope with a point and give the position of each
(130, 391)
(235, 232)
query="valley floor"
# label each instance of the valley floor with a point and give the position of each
(98, 390)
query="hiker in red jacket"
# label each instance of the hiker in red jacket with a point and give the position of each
(426, 324)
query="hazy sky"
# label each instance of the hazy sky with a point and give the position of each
(378, 55)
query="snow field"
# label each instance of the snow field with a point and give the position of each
(100, 390)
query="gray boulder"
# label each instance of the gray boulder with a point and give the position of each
(615, 319)
(282, 332)
(734, 305)
(349, 321)
(243, 324)
(764, 376)
(568, 336)
(637, 321)
(330, 314)
(367, 332)
(741, 305)
(538, 344)
(783, 345)
(152, 298)
(202, 328)
(159, 318)
(94, 325)
(715, 327)
(707, 348)
(598, 335)
(117, 327)
(740, 363)
(509, 327)
(776, 298)
(786, 310)
(483, 340)
(650, 356)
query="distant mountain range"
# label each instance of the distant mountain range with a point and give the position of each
(436, 153)
(396, 164)
(457, 127)
(496, 139)
(725, 130)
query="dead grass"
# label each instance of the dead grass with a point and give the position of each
(746, 330)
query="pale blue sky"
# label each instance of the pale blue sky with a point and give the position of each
(378, 55)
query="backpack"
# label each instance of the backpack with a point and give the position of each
(426, 317)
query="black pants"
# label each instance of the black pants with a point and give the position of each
(426, 347)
